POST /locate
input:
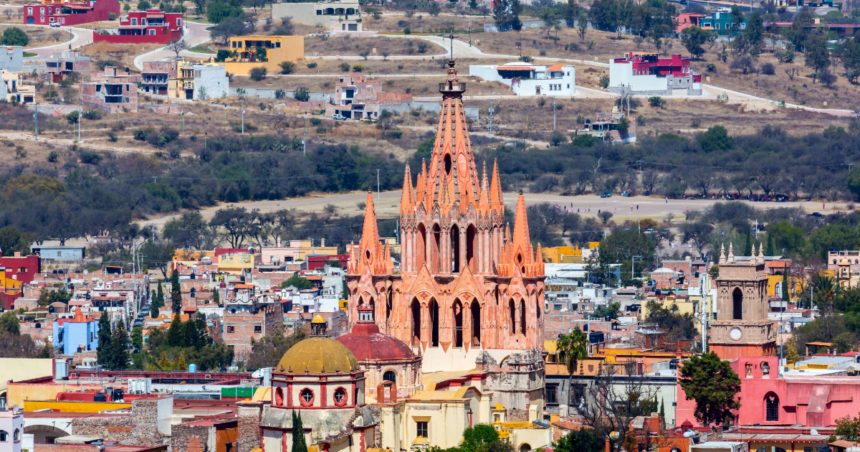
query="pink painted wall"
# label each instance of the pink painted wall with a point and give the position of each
(836, 396)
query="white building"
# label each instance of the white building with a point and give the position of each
(646, 74)
(11, 428)
(529, 79)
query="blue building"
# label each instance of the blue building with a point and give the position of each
(720, 22)
(79, 333)
(60, 253)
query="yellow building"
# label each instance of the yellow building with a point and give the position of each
(524, 435)
(563, 254)
(686, 305)
(20, 369)
(15, 91)
(238, 262)
(73, 406)
(277, 49)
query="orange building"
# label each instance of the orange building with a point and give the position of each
(466, 285)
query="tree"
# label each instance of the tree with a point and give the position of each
(176, 333)
(572, 348)
(302, 94)
(9, 323)
(847, 429)
(791, 355)
(298, 282)
(716, 138)
(119, 343)
(237, 223)
(188, 231)
(817, 55)
(216, 298)
(755, 30)
(267, 351)
(13, 240)
(506, 14)
(785, 295)
(605, 215)
(218, 11)
(14, 36)
(550, 17)
(698, 234)
(693, 38)
(175, 292)
(177, 46)
(582, 26)
(258, 73)
(582, 440)
(298, 434)
(713, 384)
(229, 27)
(199, 7)
(623, 245)
(477, 438)
(105, 349)
(137, 337)
(157, 255)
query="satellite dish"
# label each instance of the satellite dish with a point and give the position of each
(86, 271)
(813, 432)
(688, 434)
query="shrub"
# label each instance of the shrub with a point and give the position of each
(656, 101)
(139, 135)
(695, 123)
(767, 69)
(14, 36)
(93, 115)
(90, 157)
(712, 67)
(302, 94)
(112, 137)
(53, 157)
(312, 64)
(321, 129)
(407, 31)
(344, 67)
(785, 56)
(640, 120)
(280, 94)
(222, 55)
(111, 16)
(422, 47)
(358, 68)
(396, 134)
(258, 73)
(287, 67)
(604, 81)
(316, 121)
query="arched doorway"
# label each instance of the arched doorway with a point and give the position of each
(416, 322)
(457, 309)
(737, 304)
(389, 375)
(434, 322)
(525, 447)
(771, 407)
(476, 324)
(471, 246)
(45, 434)
(512, 317)
(522, 317)
(455, 249)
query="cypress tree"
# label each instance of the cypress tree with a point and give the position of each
(160, 295)
(769, 251)
(748, 245)
(216, 298)
(175, 292)
(120, 347)
(153, 308)
(175, 334)
(785, 295)
(662, 409)
(298, 433)
(104, 352)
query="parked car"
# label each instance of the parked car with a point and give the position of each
(55, 25)
(338, 117)
(816, 215)
(607, 194)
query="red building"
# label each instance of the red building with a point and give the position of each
(21, 268)
(317, 261)
(70, 13)
(150, 26)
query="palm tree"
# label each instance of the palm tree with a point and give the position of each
(572, 348)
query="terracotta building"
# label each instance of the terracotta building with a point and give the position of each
(465, 283)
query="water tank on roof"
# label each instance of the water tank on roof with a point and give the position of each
(117, 394)
(192, 367)
(99, 397)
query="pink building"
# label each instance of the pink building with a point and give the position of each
(766, 399)
(150, 26)
(356, 97)
(71, 13)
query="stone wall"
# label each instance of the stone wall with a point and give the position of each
(189, 438)
(515, 382)
(138, 429)
(249, 425)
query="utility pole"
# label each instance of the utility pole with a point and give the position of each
(305, 139)
(553, 113)
(377, 185)
(36, 117)
(704, 319)
(756, 230)
(183, 119)
(633, 264)
(243, 117)
(491, 111)
(80, 113)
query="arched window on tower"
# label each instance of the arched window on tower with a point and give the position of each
(471, 247)
(420, 246)
(279, 396)
(437, 249)
(771, 402)
(455, 249)
(434, 323)
(522, 317)
(512, 311)
(738, 304)
(476, 323)
(416, 322)
(457, 309)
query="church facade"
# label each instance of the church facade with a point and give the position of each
(466, 282)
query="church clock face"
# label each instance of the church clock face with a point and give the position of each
(735, 333)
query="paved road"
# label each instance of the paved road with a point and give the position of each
(195, 34)
(81, 37)
(389, 202)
